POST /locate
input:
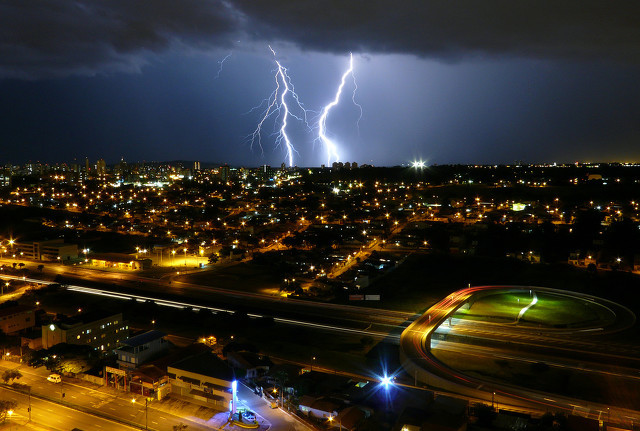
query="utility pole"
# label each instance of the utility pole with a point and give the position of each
(29, 403)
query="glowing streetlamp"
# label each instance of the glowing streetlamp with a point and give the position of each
(146, 411)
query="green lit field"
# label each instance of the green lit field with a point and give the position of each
(550, 310)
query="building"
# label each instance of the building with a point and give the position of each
(52, 250)
(351, 417)
(253, 364)
(319, 408)
(202, 379)
(224, 173)
(150, 381)
(17, 318)
(118, 261)
(141, 348)
(102, 331)
(101, 168)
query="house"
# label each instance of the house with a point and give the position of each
(349, 418)
(255, 365)
(150, 381)
(100, 330)
(202, 379)
(139, 349)
(321, 407)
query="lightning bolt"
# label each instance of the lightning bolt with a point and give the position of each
(277, 105)
(330, 146)
(221, 64)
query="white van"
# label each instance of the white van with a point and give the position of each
(54, 378)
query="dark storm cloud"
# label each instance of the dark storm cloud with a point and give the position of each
(60, 37)
(575, 29)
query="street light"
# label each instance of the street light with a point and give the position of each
(146, 411)
(185, 256)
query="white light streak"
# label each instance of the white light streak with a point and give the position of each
(277, 104)
(330, 146)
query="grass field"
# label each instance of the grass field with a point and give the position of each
(538, 308)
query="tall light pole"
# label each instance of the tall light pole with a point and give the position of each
(146, 410)
(185, 256)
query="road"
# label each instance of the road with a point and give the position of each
(374, 322)
(278, 419)
(55, 416)
(86, 403)
(416, 342)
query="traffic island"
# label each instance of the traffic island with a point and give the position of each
(243, 419)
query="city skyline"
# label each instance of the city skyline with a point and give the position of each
(492, 84)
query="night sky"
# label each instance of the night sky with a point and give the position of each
(447, 82)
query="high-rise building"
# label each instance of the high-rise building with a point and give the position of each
(224, 173)
(101, 168)
(196, 166)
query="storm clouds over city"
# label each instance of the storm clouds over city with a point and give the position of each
(481, 82)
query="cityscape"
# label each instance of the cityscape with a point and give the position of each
(319, 216)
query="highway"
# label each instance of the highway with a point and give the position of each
(374, 322)
(351, 320)
(418, 361)
(415, 340)
(567, 345)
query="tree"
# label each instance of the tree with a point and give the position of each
(40, 267)
(10, 375)
(213, 258)
(21, 265)
(180, 427)
(5, 407)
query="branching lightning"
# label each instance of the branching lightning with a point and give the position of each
(221, 64)
(330, 146)
(277, 105)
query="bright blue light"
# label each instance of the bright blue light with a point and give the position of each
(386, 381)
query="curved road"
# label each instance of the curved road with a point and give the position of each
(418, 361)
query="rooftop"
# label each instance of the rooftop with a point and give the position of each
(206, 364)
(144, 338)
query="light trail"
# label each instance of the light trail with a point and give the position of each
(416, 356)
(330, 146)
(524, 309)
(196, 308)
